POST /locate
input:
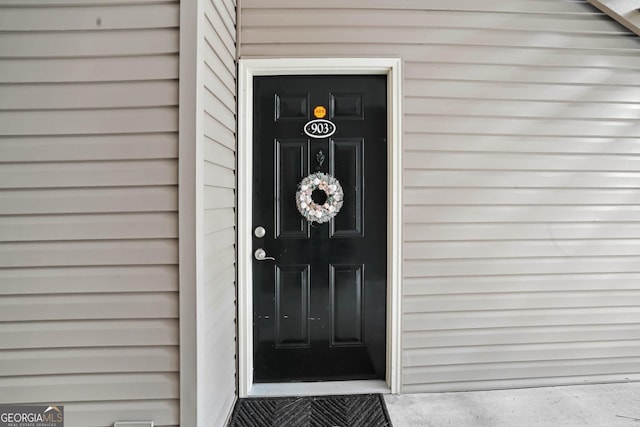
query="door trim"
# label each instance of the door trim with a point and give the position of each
(247, 69)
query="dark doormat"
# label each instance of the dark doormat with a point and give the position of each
(363, 410)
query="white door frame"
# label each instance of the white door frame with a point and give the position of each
(248, 68)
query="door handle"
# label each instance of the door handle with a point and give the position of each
(261, 255)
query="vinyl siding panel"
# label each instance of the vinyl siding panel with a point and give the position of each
(374, 17)
(74, 122)
(89, 147)
(92, 69)
(89, 43)
(88, 208)
(218, 90)
(89, 200)
(89, 95)
(109, 333)
(88, 227)
(102, 15)
(521, 218)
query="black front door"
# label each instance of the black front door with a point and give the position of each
(319, 307)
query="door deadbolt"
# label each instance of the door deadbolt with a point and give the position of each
(259, 232)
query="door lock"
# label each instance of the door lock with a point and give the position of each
(261, 255)
(259, 232)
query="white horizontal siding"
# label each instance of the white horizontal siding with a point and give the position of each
(93, 121)
(89, 147)
(576, 282)
(88, 227)
(536, 231)
(258, 16)
(104, 16)
(82, 387)
(88, 43)
(90, 279)
(88, 200)
(522, 6)
(91, 69)
(59, 3)
(87, 360)
(55, 96)
(88, 174)
(526, 178)
(218, 103)
(89, 333)
(523, 335)
(521, 218)
(417, 36)
(94, 306)
(109, 252)
(88, 208)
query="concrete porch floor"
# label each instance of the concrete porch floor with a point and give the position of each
(597, 405)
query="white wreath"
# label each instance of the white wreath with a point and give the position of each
(309, 209)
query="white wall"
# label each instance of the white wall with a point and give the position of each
(207, 211)
(88, 208)
(522, 221)
(219, 149)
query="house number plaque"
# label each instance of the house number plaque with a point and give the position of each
(319, 128)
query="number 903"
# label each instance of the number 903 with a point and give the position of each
(319, 128)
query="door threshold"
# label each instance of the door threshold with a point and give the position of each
(323, 388)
